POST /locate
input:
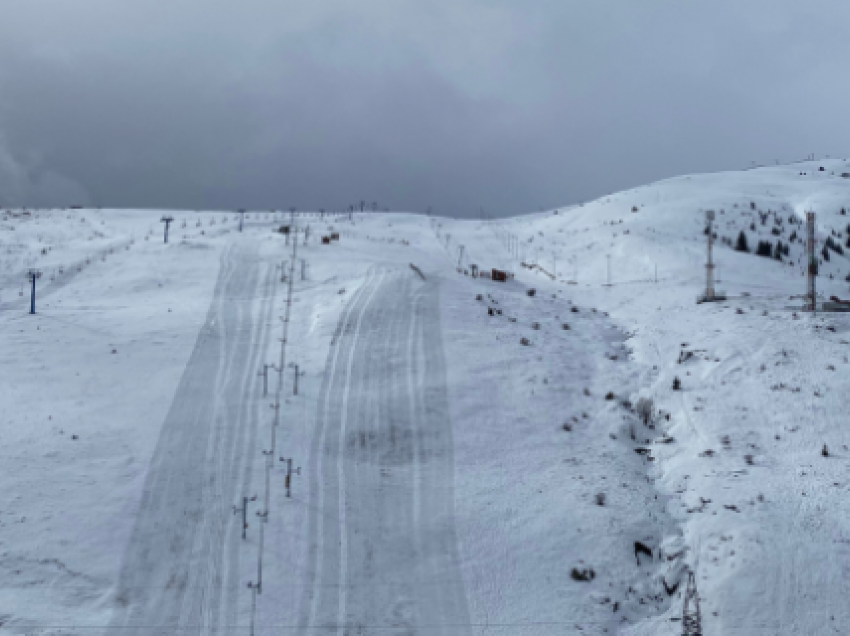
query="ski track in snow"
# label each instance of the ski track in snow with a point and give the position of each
(181, 567)
(385, 551)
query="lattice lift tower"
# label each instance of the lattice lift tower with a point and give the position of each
(710, 295)
(691, 618)
(812, 268)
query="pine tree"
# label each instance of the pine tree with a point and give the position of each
(834, 245)
(741, 244)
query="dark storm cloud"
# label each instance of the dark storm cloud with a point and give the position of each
(452, 103)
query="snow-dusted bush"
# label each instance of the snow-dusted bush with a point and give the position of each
(645, 408)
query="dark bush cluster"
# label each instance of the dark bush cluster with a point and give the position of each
(834, 245)
(582, 575)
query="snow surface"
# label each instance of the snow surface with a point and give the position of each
(450, 477)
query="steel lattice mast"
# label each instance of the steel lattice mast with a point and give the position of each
(691, 619)
(709, 266)
(812, 267)
(710, 294)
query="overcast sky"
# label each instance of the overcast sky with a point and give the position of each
(507, 106)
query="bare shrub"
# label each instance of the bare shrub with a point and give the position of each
(645, 409)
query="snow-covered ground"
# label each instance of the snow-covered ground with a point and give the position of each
(452, 480)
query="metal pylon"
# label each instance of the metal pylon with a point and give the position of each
(691, 619)
(709, 266)
(812, 268)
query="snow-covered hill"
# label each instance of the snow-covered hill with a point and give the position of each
(762, 385)
(453, 479)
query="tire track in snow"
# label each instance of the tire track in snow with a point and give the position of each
(345, 414)
(172, 574)
(314, 587)
(374, 557)
(438, 466)
(383, 522)
(211, 560)
(362, 438)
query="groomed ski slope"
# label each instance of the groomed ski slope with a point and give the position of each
(440, 490)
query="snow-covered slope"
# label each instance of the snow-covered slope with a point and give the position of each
(454, 480)
(762, 385)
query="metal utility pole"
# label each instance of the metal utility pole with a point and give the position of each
(167, 220)
(289, 472)
(33, 274)
(244, 511)
(709, 266)
(691, 619)
(811, 288)
(241, 219)
(265, 374)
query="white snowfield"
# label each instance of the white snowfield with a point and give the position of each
(452, 480)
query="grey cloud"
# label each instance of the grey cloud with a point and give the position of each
(452, 103)
(36, 186)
